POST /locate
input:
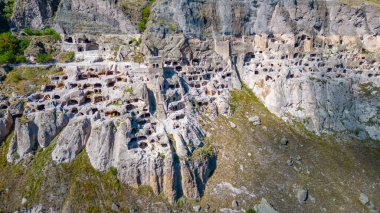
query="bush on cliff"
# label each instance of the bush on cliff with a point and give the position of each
(12, 49)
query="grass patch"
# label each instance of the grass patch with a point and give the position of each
(368, 89)
(44, 58)
(172, 141)
(26, 79)
(204, 152)
(45, 32)
(67, 57)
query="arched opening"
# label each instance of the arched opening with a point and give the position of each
(72, 102)
(40, 107)
(69, 40)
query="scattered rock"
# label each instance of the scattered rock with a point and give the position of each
(233, 125)
(206, 208)
(363, 199)
(302, 195)
(24, 201)
(284, 141)
(115, 207)
(290, 162)
(264, 207)
(362, 135)
(197, 208)
(235, 205)
(255, 120)
(366, 202)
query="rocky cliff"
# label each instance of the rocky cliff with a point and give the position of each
(73, 16)
(149, 109)
(205, 18)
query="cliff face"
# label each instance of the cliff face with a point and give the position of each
(201, 18)
(93, 17)
(33, 13)
(315, 62)
(71, 16)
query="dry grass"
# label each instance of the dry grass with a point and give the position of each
(252, 159)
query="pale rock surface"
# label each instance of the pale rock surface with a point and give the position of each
(264, 207)
(72, 140)
(6, 123)
(24, 141)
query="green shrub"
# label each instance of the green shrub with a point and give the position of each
(44, 58)
(67, 57)
(250, 211)
(20, 59)
(141, 26)
(45, 32)
(7, 57)
(112, 171)
(12, 49)
(8, 9)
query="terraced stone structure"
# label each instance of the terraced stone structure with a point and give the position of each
(139, 118)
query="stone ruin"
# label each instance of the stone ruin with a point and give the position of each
(315, 79)
(141, 119)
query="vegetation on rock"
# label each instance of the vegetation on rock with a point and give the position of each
(67, 57)
(25, 80)
(12, 49)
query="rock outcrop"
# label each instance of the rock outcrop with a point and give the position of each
(143, 118)
(93, 17)
(6, 124)
(72, 140)
(203, 18)
(24, 141)
(33, 13)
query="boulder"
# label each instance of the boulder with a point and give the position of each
(284, 141)
(197, 208)
(115, 207)
(235, 205)
(302, 195)
(264, 207)
(255, 120)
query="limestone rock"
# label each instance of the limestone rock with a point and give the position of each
(264, 207)
(33, 13)
(115, 207)
(100, 144)
(255, 120)
(197, 208)
(72, 140)
(50, 123)
(284, 141)
(6, 123)
(235, 205)
(24, 141)
(302, 195)
(363, 198)
(90, 16)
